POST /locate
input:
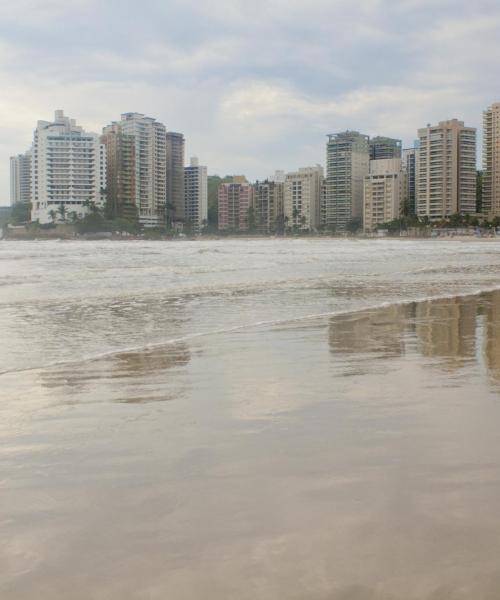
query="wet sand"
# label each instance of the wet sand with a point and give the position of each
(350, 458)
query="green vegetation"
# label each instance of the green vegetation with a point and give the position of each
(20, 213)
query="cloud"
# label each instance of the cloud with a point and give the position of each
(253, 86)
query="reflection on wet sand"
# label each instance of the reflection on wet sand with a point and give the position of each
(277, 471)
(449, 329)
(130, 376)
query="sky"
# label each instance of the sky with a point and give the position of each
(254, 86)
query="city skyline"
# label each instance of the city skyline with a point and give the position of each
(241, 82)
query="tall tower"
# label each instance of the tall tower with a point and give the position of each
(196, 194)
(68, 170)
(20, 178)
(446, 170)
(347, 163)
(121, 172)
(491, 160)
(139, 166)
(383, 148)
(176, 209)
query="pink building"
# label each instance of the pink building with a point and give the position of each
(235, 200)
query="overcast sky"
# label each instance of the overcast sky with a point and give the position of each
(254, 85)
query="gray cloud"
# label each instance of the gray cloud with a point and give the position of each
(254, 86)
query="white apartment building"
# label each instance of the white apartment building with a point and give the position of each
(196, 194)
(302, 198)
(150, 161)
(491, 161)
(384, 188)
(68, 170)
(20, 178)
(446, 170)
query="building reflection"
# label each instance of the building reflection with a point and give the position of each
(449, 331)
(379, 331)
(492, 334)
(446, 329)
(135, 376)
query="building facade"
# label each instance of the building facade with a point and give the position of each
(382, 148)
(196, 195)
(491, 161)
(302, 199)
(446, 170)
(176, 210)
(149, 185)
(408, 166)
(20, 178)
(383, 189)
(68, 173)
(121, 172)
(235, 201)
(347, 164)
(268, 205)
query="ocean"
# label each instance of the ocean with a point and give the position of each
(253, 419)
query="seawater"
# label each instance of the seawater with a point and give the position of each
(252, 419)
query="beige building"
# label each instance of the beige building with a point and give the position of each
(383, 192)
(491, 161)
(446, 170)
(268, 206)
(302, 198)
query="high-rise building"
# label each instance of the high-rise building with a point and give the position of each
(302, 198)
(20, 178)
(347, 163)
(446, 170)
(196, 195)
(121, 172)
(68, 170)
(268, 206)
(235, 201)
(491, 160)
(383, 189)
(384, 148)
(149, 184)
(176, 210)
(408, 165)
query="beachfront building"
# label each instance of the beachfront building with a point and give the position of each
(176, 209)
(195, 195)
(146, 173)
(235, 202)
(302, 199)
(347, 164)
(383, 192)
(382, 148)
(491, 161)
(121, 172)
(268, 199)
(408, 166)
(68, 173)
(20, 178)
(446, 170)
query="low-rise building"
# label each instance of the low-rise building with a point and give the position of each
(383, 192)
(302, 198)
(234, 203)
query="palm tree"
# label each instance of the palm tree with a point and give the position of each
(62, 211)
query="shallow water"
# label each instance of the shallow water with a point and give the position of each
(250, 419)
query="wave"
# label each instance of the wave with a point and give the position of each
(255, 325)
